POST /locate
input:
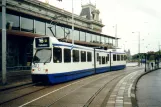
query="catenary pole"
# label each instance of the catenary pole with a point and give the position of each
(72, 25)
(4, 79)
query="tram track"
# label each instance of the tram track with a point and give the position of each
(96, 93)
(64, 85)
(14, 90)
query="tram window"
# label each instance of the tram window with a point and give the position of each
(57, 55)
(67, 55)
(97, 56)
(83, 56)
(107, 57)
(42, 56)
(89, 56)
(125, 57)
(103, 59)
(122, 57)
(118, 57)
(106, 60)
(100, 59)
(114, 57)
(75, 55)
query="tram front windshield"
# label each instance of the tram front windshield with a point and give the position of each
(42, 56)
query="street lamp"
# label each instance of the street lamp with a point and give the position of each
(116, 43)
(138, 46)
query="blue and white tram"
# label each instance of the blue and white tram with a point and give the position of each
(56, 62)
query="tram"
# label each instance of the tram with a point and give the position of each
(56, 62)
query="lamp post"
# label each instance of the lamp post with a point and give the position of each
(159, 55)
(4, 79)
(116, 43)
(138, 47)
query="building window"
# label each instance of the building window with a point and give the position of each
(67, 55)
(103, 60)
(57, 55)
(106, 40)
(94, 38)
(76, 35)
(68, 33)
(48, 31)
(102, 39)
(114, 57)
(98, 39)
(39, 27)
(83, 56)
(82, 36)
(114, 42)
(75, 55)
(89, 56)
(110, 41)
(118, 57)
(88, 37)
(59, 32)
(27, 24)
(12, 22)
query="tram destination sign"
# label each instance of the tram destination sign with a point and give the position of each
(42, 42)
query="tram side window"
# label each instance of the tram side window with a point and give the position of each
(57, 55)
(100, 59)
(89, 56)
(75, 55)
(103, 59)
(107, 58)
(122, 57)
(97, 56)
(125, 57)
(118, 57)
(114, 57)
(83, 56)
(67, 55)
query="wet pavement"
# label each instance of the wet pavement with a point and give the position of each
(149, 90)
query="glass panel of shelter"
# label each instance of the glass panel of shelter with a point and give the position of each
(82, 36)
(48, 31)
(88, 37)
(76, 35)
(39, 27)
(59, 31)
(12, 22)
(27, 24)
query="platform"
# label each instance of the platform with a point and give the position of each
(149, 90)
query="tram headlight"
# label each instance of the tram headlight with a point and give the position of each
(46, 70)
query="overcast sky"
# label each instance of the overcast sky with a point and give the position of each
(142, 16)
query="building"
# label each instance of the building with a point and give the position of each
(26, 19)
